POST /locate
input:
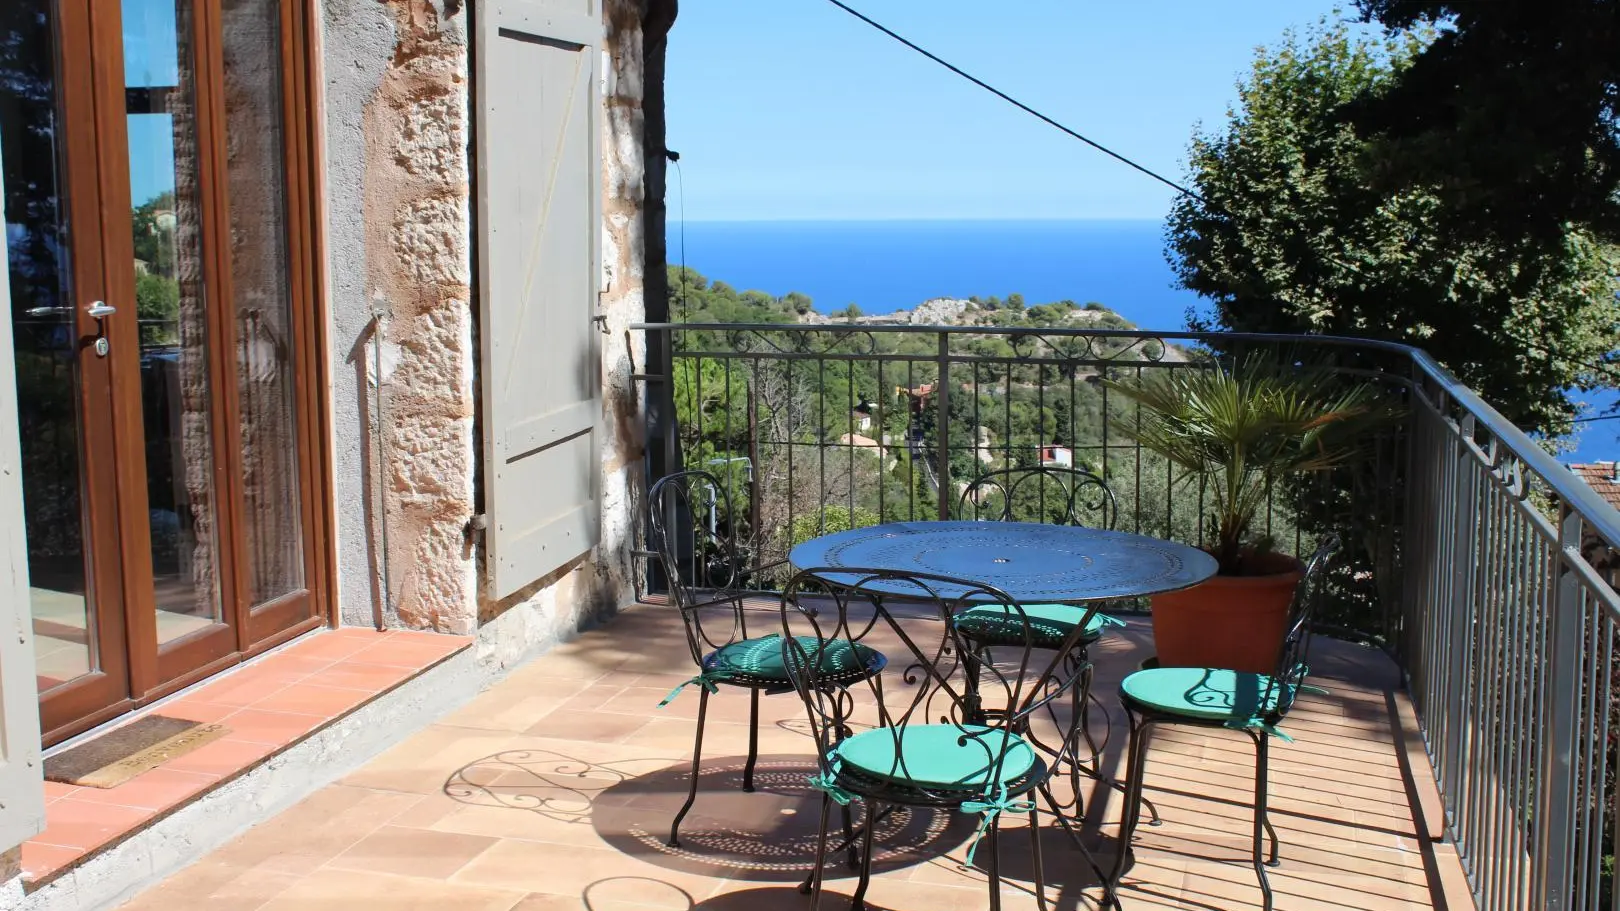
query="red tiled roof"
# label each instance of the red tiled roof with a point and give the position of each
(1602, 477)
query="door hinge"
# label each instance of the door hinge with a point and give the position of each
(475, 528)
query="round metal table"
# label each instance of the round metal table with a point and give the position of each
(1032, 563)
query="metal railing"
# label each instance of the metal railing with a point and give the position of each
(1485, 568)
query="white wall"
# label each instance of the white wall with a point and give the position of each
(22, 789)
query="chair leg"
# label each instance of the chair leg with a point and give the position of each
(858, 902)
(1262, 756)
(753, 741)
(1131, 813)
(995, 863)
(812, 886)
(1035, 853)
(697, 759)
(853, 858)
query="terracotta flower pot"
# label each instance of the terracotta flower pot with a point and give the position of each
(1235, 622)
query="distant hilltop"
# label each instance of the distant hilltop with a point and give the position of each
(693, 298)
(953, 311)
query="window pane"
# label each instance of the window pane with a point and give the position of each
(272, 525)
(44, 341)
(170, 303)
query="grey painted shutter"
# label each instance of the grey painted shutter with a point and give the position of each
(22, 787)
(539, 188)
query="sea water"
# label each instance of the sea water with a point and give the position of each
(882, 266)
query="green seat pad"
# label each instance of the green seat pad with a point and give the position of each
(938, 756)
(762, 658)
(1047, 623)
(1203, 692)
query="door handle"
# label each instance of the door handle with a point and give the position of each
(99, 311)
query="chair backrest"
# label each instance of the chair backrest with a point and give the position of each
(691, 530)
(1047, 494)
(934, 675)
(1292, 662)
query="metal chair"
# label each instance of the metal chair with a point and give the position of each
(1212, 697)
(950, 734)
(1046, 494)
(1055, 495)
(707, 580)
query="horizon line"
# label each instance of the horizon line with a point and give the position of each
(906, 218)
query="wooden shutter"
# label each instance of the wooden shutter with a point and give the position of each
(22, 787)
(539, 189)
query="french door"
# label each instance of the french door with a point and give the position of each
(161, 283)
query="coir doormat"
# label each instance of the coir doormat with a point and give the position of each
(120, 754)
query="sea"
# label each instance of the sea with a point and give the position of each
(882, 266)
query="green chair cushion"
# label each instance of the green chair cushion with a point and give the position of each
(1203, 693)
(1047, 623)
(762, 658)
(941, 756)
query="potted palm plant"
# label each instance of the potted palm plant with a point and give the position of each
(1239, 432)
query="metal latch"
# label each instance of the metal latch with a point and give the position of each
(99, 311)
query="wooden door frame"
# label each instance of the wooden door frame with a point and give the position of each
(104, 692)
(124, 611)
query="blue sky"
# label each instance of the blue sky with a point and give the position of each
(150, 58)
(792, 109)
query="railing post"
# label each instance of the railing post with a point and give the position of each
(942, 423)
(1460, 612)
(1553, 867)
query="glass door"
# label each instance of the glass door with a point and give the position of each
(162, 339)
(168, 344)
(64, 387)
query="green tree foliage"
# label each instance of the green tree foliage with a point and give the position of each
(829, 520)
(157, 306)
(1511, 114)
(808, 443)
(154, 234)
(1293, 235)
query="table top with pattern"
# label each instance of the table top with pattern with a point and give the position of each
(1031, 563)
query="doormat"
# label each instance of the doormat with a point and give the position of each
(140, 746)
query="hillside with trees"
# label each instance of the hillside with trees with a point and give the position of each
(815, 431)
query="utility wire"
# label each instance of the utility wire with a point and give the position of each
(1604, 370)
(1019, 104)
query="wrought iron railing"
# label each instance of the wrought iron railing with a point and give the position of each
(1473, 558)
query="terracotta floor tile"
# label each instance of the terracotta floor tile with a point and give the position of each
(312, 699)
(589, 726)
(426, 760)
(569, 870)
(553, 791)
(293, 661)
(348, 890)
(412, 852)
(316, 830)
(336, 645)
(501, 709)
(244, 687)
(75, 823)
(413, 652)
(273, 728)
(55, 789)
(193, 709)
(373, 678)
(211, 884)
(157, 789)
(42, 859)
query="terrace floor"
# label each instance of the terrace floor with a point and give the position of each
(553, 790)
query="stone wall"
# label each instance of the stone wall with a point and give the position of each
(403, 309)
